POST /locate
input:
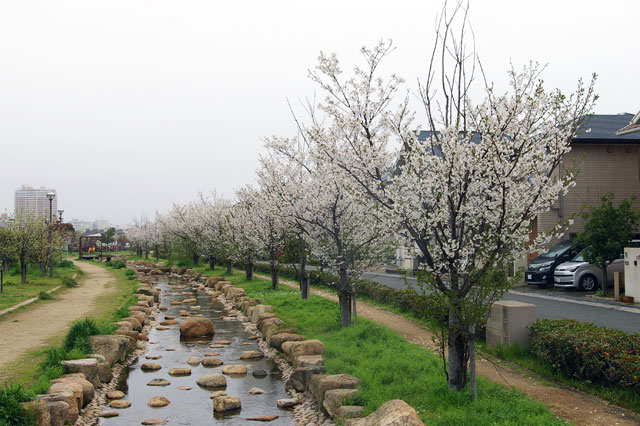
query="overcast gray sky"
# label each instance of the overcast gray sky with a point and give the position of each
(127, 106)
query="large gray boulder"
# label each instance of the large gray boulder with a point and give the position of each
(322, 383)
(69, 415)
(112, 348)
(300, 377)
(86, 366)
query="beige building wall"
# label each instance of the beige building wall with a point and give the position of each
(603, 168)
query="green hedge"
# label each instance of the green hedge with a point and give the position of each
(587, 352)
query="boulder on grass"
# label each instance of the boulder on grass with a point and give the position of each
(75, 390)
(321, 383)
(112, 348)
(58, 411)
(276, 340)
(392, 413)
(39, 410)
(86, 366)
(88, 390)
(73, 411)
(259, 309)
(334, 399)
(294, 349)
(197, 327)
(300, 377)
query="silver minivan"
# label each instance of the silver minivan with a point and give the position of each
(577, 273)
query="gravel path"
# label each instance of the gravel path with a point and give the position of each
(32, 327)
(576, 407)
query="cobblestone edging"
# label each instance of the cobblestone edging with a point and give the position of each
(307, 413)
(91, 413)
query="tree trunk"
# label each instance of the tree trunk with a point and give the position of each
(43, 269)
(229, 267)
(157, 253)
(472, 363)
(457, 348)
(304, 279)
(23, 271)
(605, 283)
(345, 300)
(355, 312)
(275, 269)
(249, 270)
(195, 258)
(146, 254)
(212, 262)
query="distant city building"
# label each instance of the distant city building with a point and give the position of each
(34, 202)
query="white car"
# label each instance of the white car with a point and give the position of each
(578, 273)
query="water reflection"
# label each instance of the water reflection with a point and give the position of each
(193, 406)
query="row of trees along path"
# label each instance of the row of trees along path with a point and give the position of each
(573, 406)
(33, 327)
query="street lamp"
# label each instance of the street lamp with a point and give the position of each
(60, 215)
(51, 196)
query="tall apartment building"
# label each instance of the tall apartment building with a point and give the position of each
(33, 201)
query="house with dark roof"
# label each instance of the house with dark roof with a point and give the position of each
(607, 155)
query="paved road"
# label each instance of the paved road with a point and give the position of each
(552, 303)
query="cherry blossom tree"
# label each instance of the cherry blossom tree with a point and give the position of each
(243, 228)
(344, 232)
(212, 213)
(467, 194)
(182, 222)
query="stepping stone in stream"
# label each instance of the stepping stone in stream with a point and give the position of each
(216, 394)
(234, 369)
(120, 403)
(154, 422)
(116, 394)
(158, 401)
(159, 382)
(194, 360)
(256, 391)
(184, 388)
(150, 366)
(153, 357)
(179, 371)
(223, 342)
(109, 414)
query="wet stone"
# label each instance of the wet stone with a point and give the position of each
(152, 357)
(159, 382)
(234, 369)
(259, 373)
(120, 403)
(149, 366)
(223, 342)
(108, 414)
(158, 401)
(256, 391)
(185, 388)
(116, 394)
(287, 402)
(212, 354)
(194, 360)
(216, 394)
(154, 422)
(211, 362)
(179, 371)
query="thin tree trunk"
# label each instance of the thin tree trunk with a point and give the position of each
(274, 269)
(472, 363)
(146, 254)
(23, 271)
(157, 253)
(355, 312)
(304, 279)
(212, 262)
(345, 300)
(195, 258)
(605, 283)
(249, 270)
(229, 267)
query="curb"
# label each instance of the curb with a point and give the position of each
(26, 302)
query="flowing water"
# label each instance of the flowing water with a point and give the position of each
(194, 407)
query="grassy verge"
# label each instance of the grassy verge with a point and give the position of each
(15, 293)
(390, 367)
(30, 370)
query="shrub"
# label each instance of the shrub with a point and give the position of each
(11, 413)
(65, 264)
(69, 282)
(118, 264)
(45, 296)
(587, 352)
(78, 335)
(130, 272)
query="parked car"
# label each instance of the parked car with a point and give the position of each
(540, 270)
(580, 274)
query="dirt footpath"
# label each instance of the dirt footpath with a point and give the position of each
(31, 328)
(568, 404)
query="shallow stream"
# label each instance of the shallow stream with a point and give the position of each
(194, 407)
